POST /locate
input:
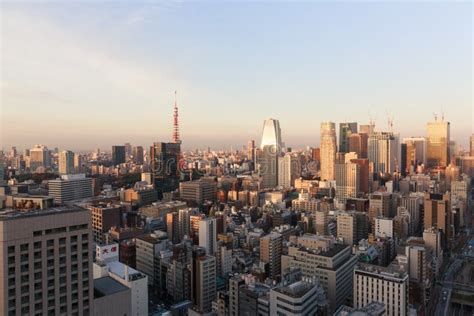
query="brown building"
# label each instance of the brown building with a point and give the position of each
(437, 212)
(104, 217)
(128, 253)
(45, 262)
(172, 227)
(363, 174)
(270, 253)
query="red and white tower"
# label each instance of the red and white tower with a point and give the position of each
(176, 138)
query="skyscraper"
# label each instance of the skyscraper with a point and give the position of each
(66, 162)
(345, 131)
(251, 150)
(328, 150)
(164, 160)
(137, 154)
(384, 152)
(118, 155)
(471, 145)
(437, 147)
(271, 135)
(40, 156)
(271, 149)
(289, 170)
(347, 180)
(415, 153)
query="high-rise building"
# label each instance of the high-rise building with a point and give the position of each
(251, 150)
(270, 253)
(271, 134)
(118, 155)
(78, 163)
(172, 227)
(198, 191)
(148, 248)
(104, 217)
(66, 162)
(208, 235)
(471, 145)
(203, 280)
(347, 180)
(137, 154)
(355, 144)
(70, 187)
(40, 156)
(384, 152)
(363, 174)
(234, 284)
(271, 147)
(289, 169)
(415, 153)
(385, 285)
(45, 262)
(437, 212)
(128, 150)
(345, 131)
(164, 161)
(346, 228)
(328, 150)
(329, 262)
(437, 146)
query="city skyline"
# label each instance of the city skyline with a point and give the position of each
(82, 92)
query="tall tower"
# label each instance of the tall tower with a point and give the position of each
(176, 138)
(328, 150)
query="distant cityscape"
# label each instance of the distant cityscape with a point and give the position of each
(366, 224)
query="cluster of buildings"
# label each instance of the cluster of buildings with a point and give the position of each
(359, 226)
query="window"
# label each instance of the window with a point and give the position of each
(24, 247)
(11, 250)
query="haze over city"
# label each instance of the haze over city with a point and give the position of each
(84, 75)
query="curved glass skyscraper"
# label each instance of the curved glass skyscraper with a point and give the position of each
(271, 134)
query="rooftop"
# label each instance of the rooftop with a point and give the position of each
(107, 286)
(393, 271)
(11, 214)
(296, 290)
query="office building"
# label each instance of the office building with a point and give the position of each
(384, 152)
(388, 286)
(164, 164)
(148, 248)
(437, 213)
(203, 280)
(300, 298)
(118, 155)
(39, 156)
(208, 235)
(328, 150)
(133, 280)
(271, 134)
(345, 132)
(329, 262)
(289, 169)
(251, 150)
(271, 148)
(347, 181)
(198, 191)
(352, 227)
(137, 154)
(363, 174)
(104, 217)
(415, 153)
(45, 262)
(270, 253)
(66, 162)
(70, 188)
(437, 146)
(471, 145)
(172, 227)
(383, 227)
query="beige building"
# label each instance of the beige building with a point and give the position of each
(198, 191)
(328, 150)
(45, 262)
(66, 162)
(369, 279)
(346, 228)
(329, 262)
(203, 281)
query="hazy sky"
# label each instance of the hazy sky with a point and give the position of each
(86, 74)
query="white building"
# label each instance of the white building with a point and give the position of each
(384, 152)
(384, 227)
(208, 235)
(136, 281)
(70, 187)
(328, 150)
(289, 169)
(385, 285)
(299, 298)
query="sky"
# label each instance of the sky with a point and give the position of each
(82, 75)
